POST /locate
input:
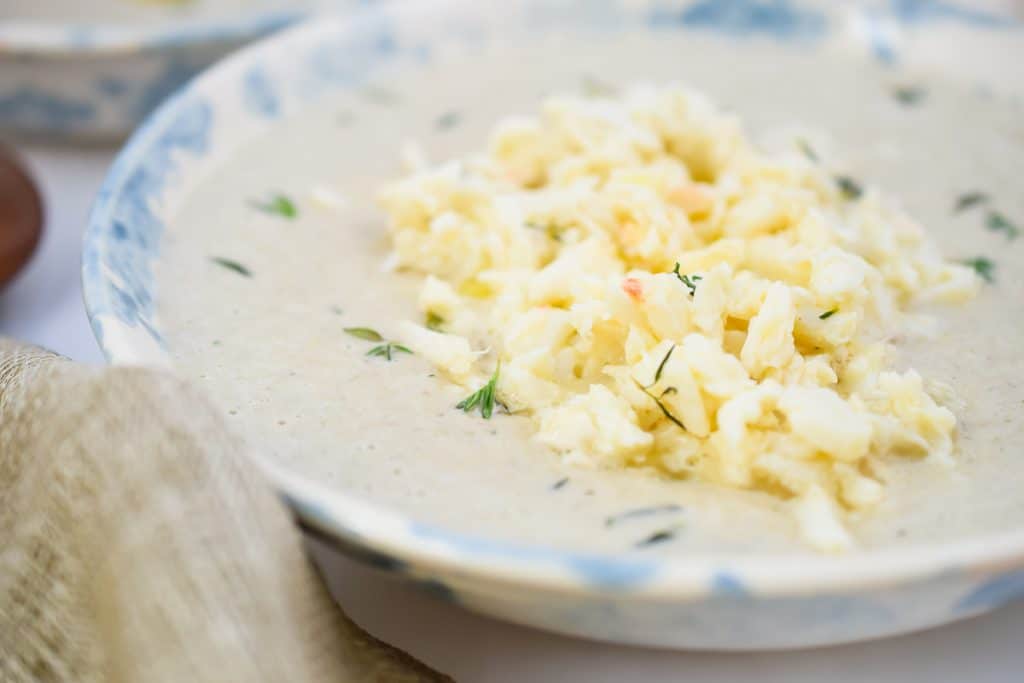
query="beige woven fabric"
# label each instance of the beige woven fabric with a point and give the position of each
(137, 546)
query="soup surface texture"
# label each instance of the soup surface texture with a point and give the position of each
(283, 248)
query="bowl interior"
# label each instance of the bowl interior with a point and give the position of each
(183, 269)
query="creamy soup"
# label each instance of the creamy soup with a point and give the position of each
(262, 330)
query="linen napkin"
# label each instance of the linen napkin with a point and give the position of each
(137, 545)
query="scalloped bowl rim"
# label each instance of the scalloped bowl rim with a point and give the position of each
(357, 523)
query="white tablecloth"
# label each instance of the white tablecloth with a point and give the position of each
(44, 306)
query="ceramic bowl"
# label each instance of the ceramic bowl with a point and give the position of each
(92, 69)
(709, 600)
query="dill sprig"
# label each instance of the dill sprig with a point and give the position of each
(849, 188)
(276, 205)
(485, 397)
(657, 401)
(984, 267)
(690, 281)
(909, 95)
(657, 537)
(364, 333)
(997, 222)
(807, 150)
(968, 200)
(661, 366)
(231, 265)
(388, 349)
(668, 508)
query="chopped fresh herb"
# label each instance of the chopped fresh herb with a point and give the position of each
(232, 265)
(552, 230)
(690, 281)
(808, 151)
(379, 95)
(485, 397)
(336, 310)
(447, 120)
(664, 410)
(849, 187)
(983, 267)
(828, 314)
(909, 95)
(661, 366)
(595, 87)
(364, 333)
(642, 512)
(387, 349)
(997, 222)
(656, 538)
(277, 205)
(969, 199)
(434, 322)
(560, 483)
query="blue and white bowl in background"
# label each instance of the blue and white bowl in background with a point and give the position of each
(92, 69)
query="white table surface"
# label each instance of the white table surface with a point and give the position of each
(44, 306)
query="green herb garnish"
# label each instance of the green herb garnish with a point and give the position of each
(364, 333)
(656, 538)
(909, 95)
(560, 483)
(997, 222)
(434, 322)
(690, 281)
(969, 199)
(232, 265)
(661, 365)
(828, 314)
(808, 151)
(849, 187)
(447, 120)
(657, 401)
(485, 397)
(642, 512)
(277, 205)
(983, 267)
(387, 349)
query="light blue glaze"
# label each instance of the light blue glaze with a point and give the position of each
(780, 19)
(259, 93)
